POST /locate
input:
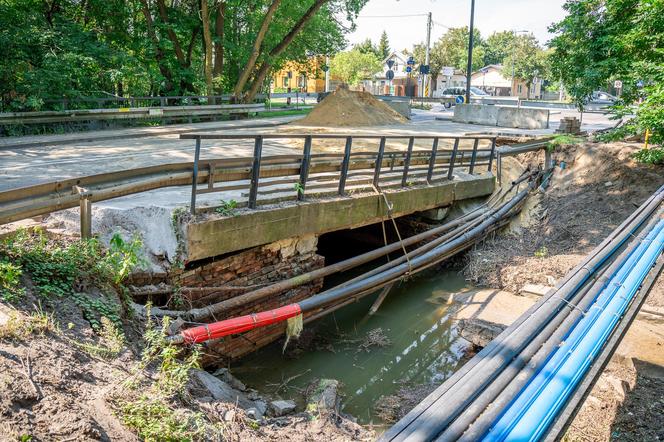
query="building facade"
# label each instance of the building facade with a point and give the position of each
(300, 77)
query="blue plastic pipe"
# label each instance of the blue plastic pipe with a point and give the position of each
(535, 408)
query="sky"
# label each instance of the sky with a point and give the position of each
(490, 15)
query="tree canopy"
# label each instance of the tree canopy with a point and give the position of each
(53, 49)
(600, 41)
(353, 66)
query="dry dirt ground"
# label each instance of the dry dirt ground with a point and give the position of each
(599, 187)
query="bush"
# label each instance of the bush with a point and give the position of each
(10, 282)
(650, 156)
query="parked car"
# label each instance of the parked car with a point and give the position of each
(459, 94)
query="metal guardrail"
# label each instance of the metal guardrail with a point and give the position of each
(308, 165)
(125, 113)
(317, 173)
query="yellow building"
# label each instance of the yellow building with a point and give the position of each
(301, 77)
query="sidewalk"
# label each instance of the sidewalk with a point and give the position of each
(139, 132)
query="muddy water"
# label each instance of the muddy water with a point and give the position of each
(423, 347)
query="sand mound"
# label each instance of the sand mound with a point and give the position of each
(349, 108)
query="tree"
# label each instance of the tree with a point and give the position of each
(528, 60)
(366, 47)
(452, 49)
(600, 41)
(383, 49)
(498, 47)
(353, 66)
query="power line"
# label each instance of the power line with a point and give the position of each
(441, 25)
(391, 16)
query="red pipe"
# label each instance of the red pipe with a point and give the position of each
(238, 325)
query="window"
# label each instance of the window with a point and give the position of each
(286, 81)
(520, 88)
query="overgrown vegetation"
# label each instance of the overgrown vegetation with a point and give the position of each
(20, 326)
(562, 140)
(151, 407)
(59, 269)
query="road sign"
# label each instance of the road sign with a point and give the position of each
(325, 68)
(617, 84)
(411, 61)
(389, 74)
(447, 71)
(459, 99)
(390, 63)
(424, 69)
(409, 69)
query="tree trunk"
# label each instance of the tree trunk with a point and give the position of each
(219, 41)
(207, 39)
(159, 53)
(163, 14)
(259, 78)
(256, 51)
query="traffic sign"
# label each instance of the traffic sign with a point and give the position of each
(424, 69)
(409, 69)
(389, 74)
(618, 84)
(411, 61)
(460, 99)
(325, 68)
(390, 63)
(447, 71)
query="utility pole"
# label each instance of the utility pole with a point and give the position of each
(469, 70)
(425, 88)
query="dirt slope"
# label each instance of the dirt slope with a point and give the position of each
(345, 108)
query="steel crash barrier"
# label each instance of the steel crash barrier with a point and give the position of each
(314, 173)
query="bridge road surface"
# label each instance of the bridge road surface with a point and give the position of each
(74, 155)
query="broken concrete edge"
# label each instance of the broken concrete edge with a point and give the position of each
(492, 115)
(215, 236)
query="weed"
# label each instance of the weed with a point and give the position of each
(562, 140)
(112, 341)
(10, 282)
(20, 326)
(542, 252)
(653, 155)
(299, 188)
(227, 208)
(151, 413)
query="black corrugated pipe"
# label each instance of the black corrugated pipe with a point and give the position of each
(437, 411)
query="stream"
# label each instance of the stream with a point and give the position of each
(423, 347)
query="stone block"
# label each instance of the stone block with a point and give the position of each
(282, 408)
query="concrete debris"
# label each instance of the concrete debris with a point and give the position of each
(221, 391)
(282, 408)
(479, 332)
(225, 375)
(325, 396)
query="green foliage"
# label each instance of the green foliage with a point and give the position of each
(19, 326)
(353, 66)
(452, 50)
(227, 208)
(542, 252)
(112, 341)
(10, 282)
(498, 47)
(152, 412)
(367, 47)
(527, 61)
(122, 257)
(562, 140)
(650, 156)
(600, 41)
(383, 49)
(299, 188)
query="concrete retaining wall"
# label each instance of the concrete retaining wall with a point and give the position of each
(523, 118)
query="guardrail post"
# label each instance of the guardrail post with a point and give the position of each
(255, 171)
(432, 160)
(406, 162)
(548, 161)
(304, 167)
(85, 212)
(194, 181)
(450, 170)
(473, 157)
(493, 153)
(344, 166)
(379, 163)
(499, 168)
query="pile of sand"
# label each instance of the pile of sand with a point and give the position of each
(349, 108)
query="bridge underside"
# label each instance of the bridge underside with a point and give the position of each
(215, 235)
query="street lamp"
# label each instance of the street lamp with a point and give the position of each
(469, 68)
